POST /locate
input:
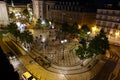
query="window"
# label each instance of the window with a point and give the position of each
(68, 8)
(73, 3)
(113, 12)
(104, 24)
(116, 26)
(66, 3)
(70, 3)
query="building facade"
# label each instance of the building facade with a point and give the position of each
(71, 12)
(109, 19)
(65, 11)
(3, 14)
(39, 9)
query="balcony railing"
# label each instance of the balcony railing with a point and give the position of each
(110, 20)
(106, 26)
(109, 14)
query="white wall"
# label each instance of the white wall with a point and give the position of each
(3, 13)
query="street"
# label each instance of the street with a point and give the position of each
(104, 70)
(109, 69)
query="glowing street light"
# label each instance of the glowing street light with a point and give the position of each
(43, 22)
(63, 41)
(94, 29)
(117, 34)
(88, 32)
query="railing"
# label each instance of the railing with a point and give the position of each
(109, 14)
(110, 20)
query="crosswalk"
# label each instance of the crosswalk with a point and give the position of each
(110, 68)
(114, 56)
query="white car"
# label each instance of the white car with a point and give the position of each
(27, 76)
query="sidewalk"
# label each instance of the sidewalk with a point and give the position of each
(43, 74)
(75, 69)
(40, 72)
(114, 41)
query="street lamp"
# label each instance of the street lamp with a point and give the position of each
(43, 22)
(63, 41)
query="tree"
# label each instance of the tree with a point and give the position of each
(64, 30)
(22, 37)
(83, 53)
(12, 27)
(47, 24)
(74, 29)
(84, 31)
(84, 34)
(12, 15)
(38, 23)
(26, 37)
(16, 34)
(80, 52)
(65, 27)
(26, 14)
(29, 39)
(99, 43)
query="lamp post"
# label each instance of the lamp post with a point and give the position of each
(63, 41)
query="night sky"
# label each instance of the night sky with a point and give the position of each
(97, 1)
(105, 1)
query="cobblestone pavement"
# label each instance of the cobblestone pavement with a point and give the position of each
(42, 74)
(61, 69)
(58, 54)
(71, 64)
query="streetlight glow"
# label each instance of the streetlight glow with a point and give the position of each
(43, 22)
(88, 32)
(63, 41)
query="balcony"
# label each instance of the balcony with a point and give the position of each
(109, 20)
(109, 27)
(108, 14)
